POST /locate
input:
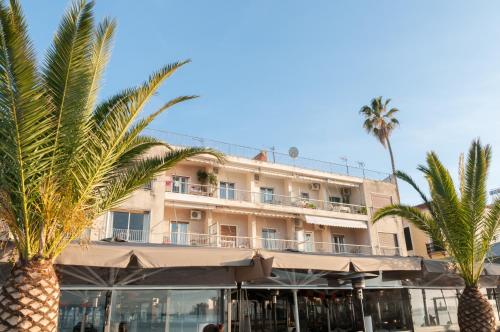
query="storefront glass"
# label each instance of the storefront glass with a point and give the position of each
(82, 311)
(164, 310)
(387, 309)
(434, 307)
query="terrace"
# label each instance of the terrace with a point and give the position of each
(263, 198)
(245, 242)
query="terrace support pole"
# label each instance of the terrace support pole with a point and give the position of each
(296, 310)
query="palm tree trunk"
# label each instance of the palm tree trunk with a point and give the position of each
(393, 165)
(29, 299)
(474, 311)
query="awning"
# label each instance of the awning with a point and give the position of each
(306, 261)
(386, 263)
(121, 255)
(336, 222)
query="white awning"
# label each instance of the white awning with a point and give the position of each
(336, 222)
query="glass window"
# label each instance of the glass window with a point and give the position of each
(266, 195)
(338, 243)
(179, 232)
(164, 310)
(131, 227)
(388, 309)
(304, 196)
(269, 238)
(309, 242)
(409, 243)
(180, 184)
(434, 307)
(335, 199)
(227, 190)
(77, 308)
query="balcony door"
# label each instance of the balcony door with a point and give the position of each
(128, 226)
(308, 241)
(338, 243)
(267, 195)
(180, 184)
(269, 238)
(228, 236)
(179, 233)
(227, 190)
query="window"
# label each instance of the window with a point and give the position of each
(409, 244)
(304, 196)
(266, 195)
(129, 226)
(335, 199)
(227, 190)
(338, 243)
(268, 238)
(308, 241)
(180, 184)
(148, 186)
(389, 244)
(179, 233)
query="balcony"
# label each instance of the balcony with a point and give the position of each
(260, 198)
(246, 242)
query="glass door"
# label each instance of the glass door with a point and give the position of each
(269, 238)
(228, 236)
(338, 243)
(179, 233)
(308, 241)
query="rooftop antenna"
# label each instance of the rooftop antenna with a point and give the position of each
(293, 152)
(344, 159)
(361, 165)
(273, 150)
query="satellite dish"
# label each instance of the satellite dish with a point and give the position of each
(293, 152)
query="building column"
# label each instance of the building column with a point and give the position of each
(208, 221)
(252, 231)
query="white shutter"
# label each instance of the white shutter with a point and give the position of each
(387, 240)
(145, 227)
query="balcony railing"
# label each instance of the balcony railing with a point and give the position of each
(247, 242)
(130, 235)
(273, 156)
(263, 198)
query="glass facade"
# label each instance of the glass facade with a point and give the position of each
(164, 310)
(82, 311)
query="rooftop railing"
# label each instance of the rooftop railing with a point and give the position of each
(263, 198)
(273, 156)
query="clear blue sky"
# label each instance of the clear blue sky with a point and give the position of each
(286, 73)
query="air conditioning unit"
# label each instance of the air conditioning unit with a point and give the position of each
(315, 186)
(195, 214)
(256, 177)
(344, 191)
(319, 227)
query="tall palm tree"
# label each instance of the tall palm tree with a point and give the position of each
(380, 122)
(458, 221)
(64, 157)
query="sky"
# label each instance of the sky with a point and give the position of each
(296, 73)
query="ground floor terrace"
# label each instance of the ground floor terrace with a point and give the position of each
(143, 287)
(261, 310)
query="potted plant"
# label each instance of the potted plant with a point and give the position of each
(208, 180)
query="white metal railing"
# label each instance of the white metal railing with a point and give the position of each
(389, 251)
(131, 235)
(273, 156)
(264, 198)
(207, 240)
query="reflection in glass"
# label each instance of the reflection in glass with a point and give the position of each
(163, 310)
(79, 308)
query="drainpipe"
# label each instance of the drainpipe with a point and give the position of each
(296, 310)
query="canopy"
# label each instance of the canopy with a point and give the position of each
(386, 263)
(121, 255)
(306, 261)
(336, 222)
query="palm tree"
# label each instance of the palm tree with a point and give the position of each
(380, 122)
(458, 221)
(64, 157)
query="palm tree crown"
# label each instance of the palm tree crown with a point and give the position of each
(458, 219)
(64, 157)
(380, 122)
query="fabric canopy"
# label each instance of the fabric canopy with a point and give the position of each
(386, 263)
(121, 255)
(302, 261)
(336, 222)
